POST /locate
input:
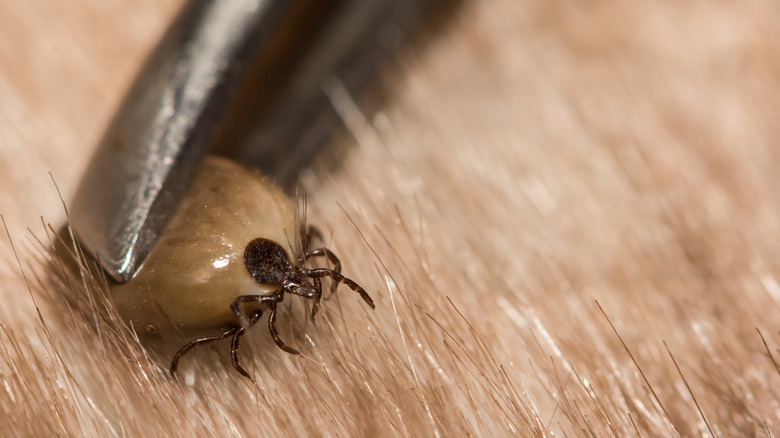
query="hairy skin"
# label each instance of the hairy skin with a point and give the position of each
(567, 217)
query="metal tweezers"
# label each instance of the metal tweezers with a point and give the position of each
(242, 78)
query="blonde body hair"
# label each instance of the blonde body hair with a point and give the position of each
(567, 215)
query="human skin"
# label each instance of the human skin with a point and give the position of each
(566, 216)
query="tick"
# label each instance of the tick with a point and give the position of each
(230, 252)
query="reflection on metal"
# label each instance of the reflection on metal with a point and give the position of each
(239, 77)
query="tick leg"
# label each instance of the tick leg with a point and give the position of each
(324, 252)
(271, 299)
(200, 341)
(306, 292)
(316, 306)
(234, 343)
(275, 334)
(338, 278)
(310, 233)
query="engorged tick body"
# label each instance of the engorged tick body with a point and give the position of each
(225, 257)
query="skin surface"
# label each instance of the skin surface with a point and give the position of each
(196, 269)
(520, 162)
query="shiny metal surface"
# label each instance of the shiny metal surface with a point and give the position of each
(163, 127)
(179, 107)
(347, 51)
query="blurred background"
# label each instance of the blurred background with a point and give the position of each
(513, 164)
